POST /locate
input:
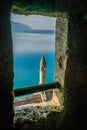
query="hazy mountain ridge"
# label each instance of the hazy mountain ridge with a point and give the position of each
(19, 27)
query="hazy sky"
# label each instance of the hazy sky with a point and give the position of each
(32, 42)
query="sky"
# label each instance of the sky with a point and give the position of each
(33, 33)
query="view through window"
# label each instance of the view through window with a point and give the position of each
(33, 37)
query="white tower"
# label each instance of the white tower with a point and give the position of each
(42, 70)
(43, 76)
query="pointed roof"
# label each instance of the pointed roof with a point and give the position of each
(43, 61)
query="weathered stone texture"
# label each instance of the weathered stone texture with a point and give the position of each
(61, 53)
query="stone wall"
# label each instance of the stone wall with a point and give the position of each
(6, 67)
(61, 53)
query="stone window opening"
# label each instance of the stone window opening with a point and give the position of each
(57, 102)
(57, 95)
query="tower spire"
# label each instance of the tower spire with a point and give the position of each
(43, 76)
(42, 70)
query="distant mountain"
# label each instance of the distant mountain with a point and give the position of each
(19, 27)
(40, 31)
